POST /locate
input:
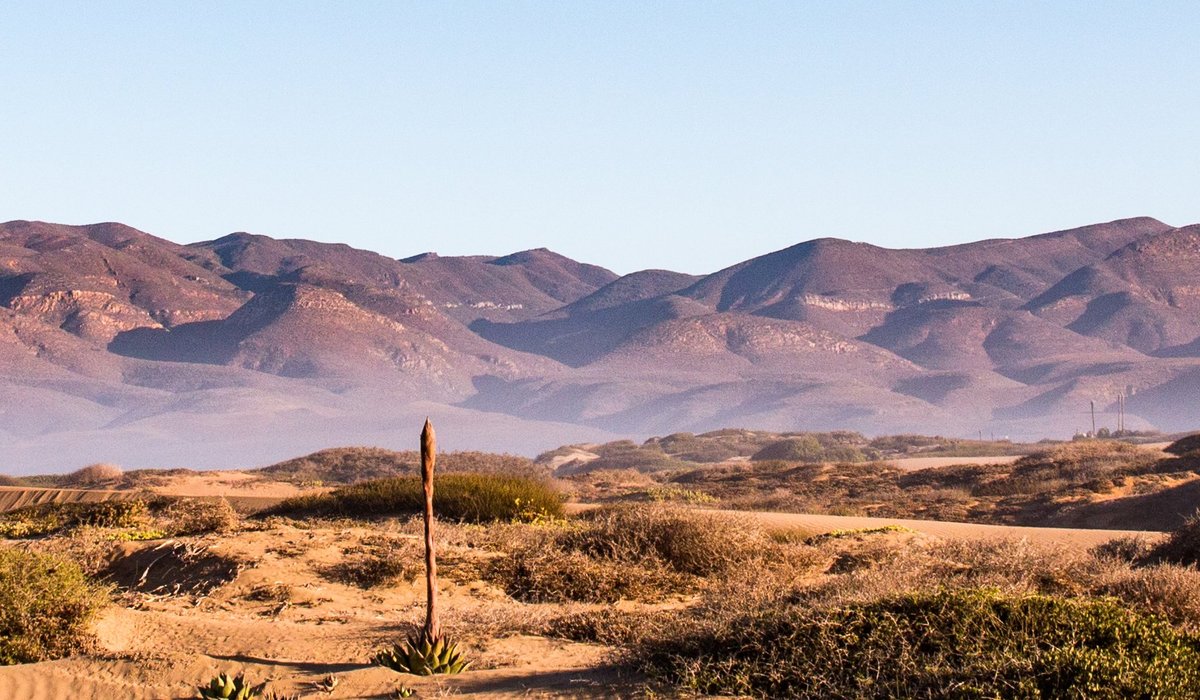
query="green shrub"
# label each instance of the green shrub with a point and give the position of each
(351, 465)
(50, 518)
(45, 606)
(463, 497)
(808, 448)
(972, 644)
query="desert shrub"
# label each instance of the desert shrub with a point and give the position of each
(607, 626)
(674, 493)
(1183, 544)
(377, 561)
(1184, 445)
(10, 481)
(688, 541)
(553, 575)
(194, 516)
(111, 514)
(94, 475)
(802, 449)
(963, 644)
(1071, 465)
(351, 465)
(1171, 592)
(172, 568)
(626, 454)
(46, 604)
(32, 521)
(51, 518)
(373, 571)
(462, 497)
(1127, 549)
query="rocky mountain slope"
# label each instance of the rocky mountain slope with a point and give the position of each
(119, 345)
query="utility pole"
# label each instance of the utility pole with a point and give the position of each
(1093, 418)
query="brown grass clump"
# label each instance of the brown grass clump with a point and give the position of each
(94, 475)
(552, 575)
(46, 604)
(1088, 464)
(626, 552)
(1183, 545)
(194, 516)
(608, 626)
(688, 541)
(1184, 445)
(378, 561)
(1171, 592)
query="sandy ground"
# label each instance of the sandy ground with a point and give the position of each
(916, 463)
(13, 497)
(287, 620)
(817, 524)
(809, 524)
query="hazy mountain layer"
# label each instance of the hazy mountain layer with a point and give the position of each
(118, 345)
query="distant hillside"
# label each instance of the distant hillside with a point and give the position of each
(117, 345)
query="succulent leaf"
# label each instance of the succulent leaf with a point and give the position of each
(423, 657)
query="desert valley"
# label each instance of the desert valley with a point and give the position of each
(730, 563)
(582, 350)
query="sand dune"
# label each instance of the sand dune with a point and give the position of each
(916, 463)
(13, 497)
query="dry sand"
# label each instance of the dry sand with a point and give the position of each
(284, 619)
(913, 464)
(13, 497)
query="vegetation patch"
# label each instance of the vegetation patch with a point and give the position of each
(471, 498)
(810, 449)
(139, 519)
(1183, 545)
(962, 644)
(552, 575)
(51, 518)
(856, 532)
(351, 465)
(46, 604)
(607, 626)
(688, 541)
(172, 568)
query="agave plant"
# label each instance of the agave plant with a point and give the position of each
(424, 658)
(429, 652)
(224, 687)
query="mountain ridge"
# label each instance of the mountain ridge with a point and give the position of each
(107, 333)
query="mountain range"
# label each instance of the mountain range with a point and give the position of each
(117, 345)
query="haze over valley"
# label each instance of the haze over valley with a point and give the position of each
(121, 346)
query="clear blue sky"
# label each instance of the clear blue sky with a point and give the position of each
(684, 135)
